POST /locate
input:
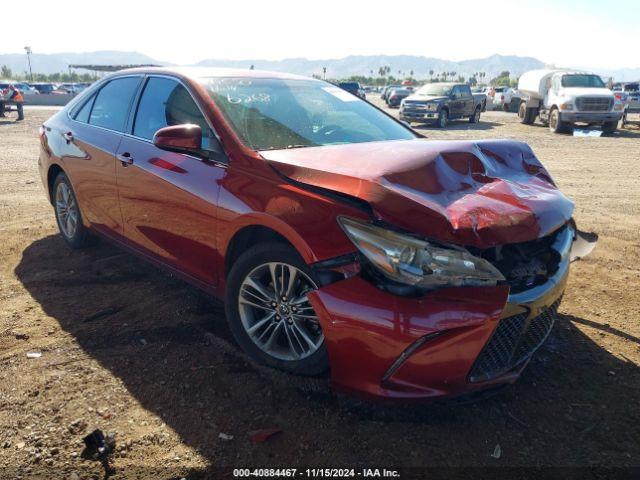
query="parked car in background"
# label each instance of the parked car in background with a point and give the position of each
(24, 88)
(396, 95)
(340, 240)
(502, 97)
(481, 92)
(629, 95)
(44, 88)
(563, 98)
(387, 91)
(73, 88)
(438, 103)
(354, 88)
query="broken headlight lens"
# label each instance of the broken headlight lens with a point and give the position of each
(412, 261)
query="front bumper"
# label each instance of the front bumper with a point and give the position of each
(426, 116)
(383, 346)
(594, 117)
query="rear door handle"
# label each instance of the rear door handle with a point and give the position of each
(125, 158)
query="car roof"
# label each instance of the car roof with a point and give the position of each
(213, 72)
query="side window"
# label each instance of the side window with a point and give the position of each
(556, 83)
(83, 114)
(456, 91)
(465, 90)
(166, 102)
(111, 106)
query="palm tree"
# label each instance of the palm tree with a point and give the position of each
(431, 74)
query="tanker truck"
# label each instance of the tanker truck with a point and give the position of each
(563, 98)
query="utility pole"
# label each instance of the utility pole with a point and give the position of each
(28, 50)
(324, 73)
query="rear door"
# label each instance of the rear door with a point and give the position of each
(168, 200)
(467, 100)
(90, 140)
(456, 104)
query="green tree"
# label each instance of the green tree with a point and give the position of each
(5, 72)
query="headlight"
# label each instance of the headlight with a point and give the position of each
(618, 106)
(566, 106)
(416, 262)
(432, 106)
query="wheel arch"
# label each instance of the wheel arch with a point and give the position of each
(256, 229)
(52, 174)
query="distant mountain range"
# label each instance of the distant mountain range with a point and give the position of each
(336, 68)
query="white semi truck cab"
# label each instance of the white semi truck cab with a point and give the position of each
(562, 98)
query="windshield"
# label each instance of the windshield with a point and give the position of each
(436, 89)
(593, 81)
(273, 114)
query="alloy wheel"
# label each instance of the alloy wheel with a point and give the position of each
(66, 210)
(276, 313)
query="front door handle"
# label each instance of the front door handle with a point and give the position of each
(125, 159)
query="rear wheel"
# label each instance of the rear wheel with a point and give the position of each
(269, 313)
(443, 119)
(68, 214)
(475, 118)
(526, 115)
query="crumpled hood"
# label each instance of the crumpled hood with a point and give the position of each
(479, 194)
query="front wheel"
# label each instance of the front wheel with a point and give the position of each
(556, 125)
(610, 127)
(269, 313)
(68, 216)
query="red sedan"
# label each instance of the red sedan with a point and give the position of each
(339, 238)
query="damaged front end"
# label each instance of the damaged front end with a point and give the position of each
(387, 340)
(458, 273)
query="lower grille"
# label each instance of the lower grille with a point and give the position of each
(594, 104)
(514, 340)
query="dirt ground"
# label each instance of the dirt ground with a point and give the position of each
(135, 352)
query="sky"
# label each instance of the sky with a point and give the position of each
(569, 33)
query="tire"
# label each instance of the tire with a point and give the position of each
(443, 119)
(275, 310)
(526, 115)
(505, 107)
(475, 118)
(68, 216)
(609, 127)
(556, 125)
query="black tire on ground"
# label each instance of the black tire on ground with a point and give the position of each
(443, 119)
(556, 125)
(77, 236)
(475, 118)
(526, 115)
(314, 364)
(609, 127)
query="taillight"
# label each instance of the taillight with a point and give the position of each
(501, 97)
(618, 96)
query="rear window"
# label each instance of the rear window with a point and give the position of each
(111, 106)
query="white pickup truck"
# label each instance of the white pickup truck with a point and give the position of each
(562, 98)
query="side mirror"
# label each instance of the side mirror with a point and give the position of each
(179, 138)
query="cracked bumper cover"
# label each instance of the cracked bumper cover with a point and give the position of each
(383, 346)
